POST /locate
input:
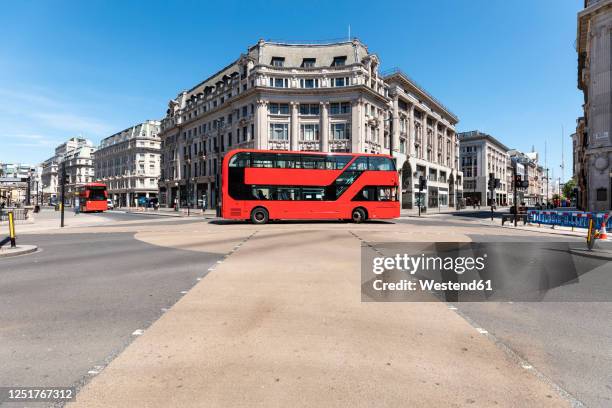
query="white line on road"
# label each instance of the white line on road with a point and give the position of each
(481, 330)
(138, 332)
(183, 291)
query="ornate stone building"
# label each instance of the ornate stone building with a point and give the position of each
(593, 138)
(482, 154)
(77, 153)
(313, 97)
(128, 162)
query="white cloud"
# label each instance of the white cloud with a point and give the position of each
(36, 110)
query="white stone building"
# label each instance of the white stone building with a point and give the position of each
(321, 97)
(128, 162)
(77, 153)
(482, 155)
(593, 140)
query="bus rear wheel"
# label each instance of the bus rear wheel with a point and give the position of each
(259, 215)
(359, 215)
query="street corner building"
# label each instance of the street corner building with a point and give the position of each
(128, 162)
(592, 142)
(328, 97)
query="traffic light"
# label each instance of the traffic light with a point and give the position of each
(497, 183)
(422, 183)
(518, 182)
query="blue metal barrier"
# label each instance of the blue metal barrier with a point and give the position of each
(574, 219)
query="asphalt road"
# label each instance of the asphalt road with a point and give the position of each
(569, 342)
(75, 304)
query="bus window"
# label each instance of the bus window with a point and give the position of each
(263, 160)
(313, 162)
(312, 193)
(287, 161)
(361, 163)
(376, 193)
(288, 193)
(240, 160)
(381, 164)
(336, 162)
(261, 193)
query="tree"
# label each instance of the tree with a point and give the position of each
(568, 188)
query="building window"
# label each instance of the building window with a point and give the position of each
(339, 61)
(279, 82)
(339, 108)
(308, 62)
(279, 131)
(602, 194)
(309, 83)
(309, 132)
(278, 61)
(338, 82)
(278, 108)
(309, 109)
(340, 131)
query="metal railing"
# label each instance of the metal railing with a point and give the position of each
(18, 213)
(573, 219)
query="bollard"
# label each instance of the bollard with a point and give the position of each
(11, 217)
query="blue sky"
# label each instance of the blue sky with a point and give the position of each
(92, 68)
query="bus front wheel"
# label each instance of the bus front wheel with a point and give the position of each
(359, 215)
(259, 215)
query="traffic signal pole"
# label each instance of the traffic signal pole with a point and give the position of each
(62, 194)
(515, 195)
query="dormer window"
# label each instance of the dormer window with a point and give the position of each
(339, 61)
(309, 62)
(278, 61)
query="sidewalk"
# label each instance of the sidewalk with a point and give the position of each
(49, 219)
(280, 323)
(432, 212)
(167, 212)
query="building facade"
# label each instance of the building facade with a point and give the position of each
(77, 154)
(305, 97)
(529, 169)
(480, 156)
(593, 139)
(129, 163)
(13, 191)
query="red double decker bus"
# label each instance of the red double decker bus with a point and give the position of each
(93, 197)
(262, 185)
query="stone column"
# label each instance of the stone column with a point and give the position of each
(396, 128)
(357, 127)
(295, 130)
(435, 141)
(324, 125)
(261, 125)
(412, 132)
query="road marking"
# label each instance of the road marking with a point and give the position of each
(481, 330)
(199, 279)
(164, 310)
(93, 372)
(527, 366)
(452, 308)
(138, 332)
(183, 291)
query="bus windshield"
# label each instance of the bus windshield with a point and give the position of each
(96, 194)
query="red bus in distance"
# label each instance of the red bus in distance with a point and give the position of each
(263, 185)
(92, 197)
